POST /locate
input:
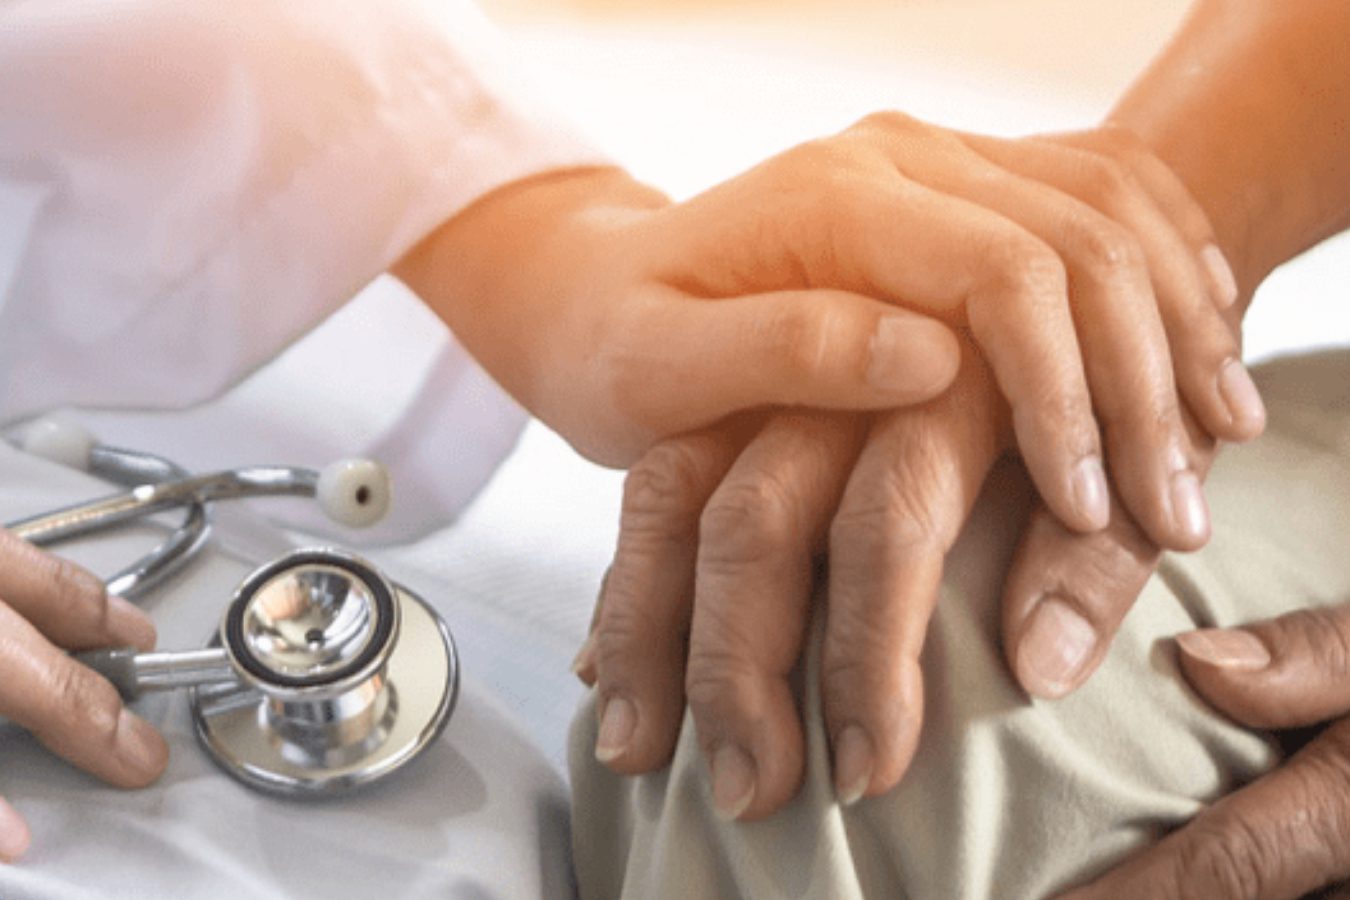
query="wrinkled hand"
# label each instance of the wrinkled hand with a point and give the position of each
(48, 606)
(1286, 834)
(620, 319)
(717, 541)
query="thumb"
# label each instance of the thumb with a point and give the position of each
(14, 835)
(1280, 673)
(826, 349)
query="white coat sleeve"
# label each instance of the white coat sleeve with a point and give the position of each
(185, 188)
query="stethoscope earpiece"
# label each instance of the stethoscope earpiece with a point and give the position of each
(354, 492)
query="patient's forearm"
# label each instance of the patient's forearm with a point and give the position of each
(1250, 105)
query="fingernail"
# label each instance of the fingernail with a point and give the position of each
(129, 626)
(140, 747)
(585, 658)
(852, 765)
(1190, 515)
(1090, 492)
(901, 352)
(733, 782)
(1240, 393)
(14, 834)
(1222, 282)
(617, 725)
(1226, 648)
(1054, 648)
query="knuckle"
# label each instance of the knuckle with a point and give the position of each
(668, 482)
(1325, 787)
(75, 587)
(905, 516)
(1027, 268)
(1109, 181)
(890, 121)
(1322, 631)
(819, 173)
(1226, 857)
(714, 682)
(82, 701)
(747, 521)
(802, 339)
(1056, 413)
(1104, 247)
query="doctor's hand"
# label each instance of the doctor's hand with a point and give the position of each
(621, 319)
(1286, 834)
(49, 606)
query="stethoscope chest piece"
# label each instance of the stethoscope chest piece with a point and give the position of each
(341, 677)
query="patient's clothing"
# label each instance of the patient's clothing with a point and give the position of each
(187, 188)
(1010, 798)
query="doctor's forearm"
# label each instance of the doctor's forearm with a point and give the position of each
(1250, 106)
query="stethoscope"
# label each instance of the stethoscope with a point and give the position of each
(323, 675)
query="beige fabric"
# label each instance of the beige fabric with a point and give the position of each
(1009, 798)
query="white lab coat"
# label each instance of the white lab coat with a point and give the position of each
(187, 188)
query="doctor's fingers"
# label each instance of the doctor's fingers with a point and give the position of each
(1067, 593)
(14, 834)
(1196, 290)
(838, 212)
(74, 712)
(908, 498)
(755, 576)
(639, 640)
(1119, 329)
(67, 603)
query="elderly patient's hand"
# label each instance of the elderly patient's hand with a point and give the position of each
(1288, 833)
(719, 540)
(48, 606)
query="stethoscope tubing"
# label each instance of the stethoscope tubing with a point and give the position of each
(130, 469)
(157, 484)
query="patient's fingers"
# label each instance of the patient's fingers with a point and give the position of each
(1287, 833)
(906, 502)
(1066, 596)
(1286, 672)
(639, 637)
(1279, 838)
(753, 585)
(14, 834)
(66, 603)
(1067, 593)
(74, 712)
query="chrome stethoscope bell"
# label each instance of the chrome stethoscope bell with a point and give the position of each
(322, 677)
